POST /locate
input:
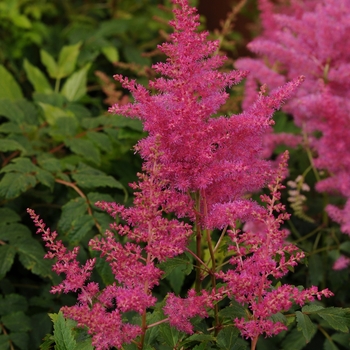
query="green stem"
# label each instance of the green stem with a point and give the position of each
(198, 281)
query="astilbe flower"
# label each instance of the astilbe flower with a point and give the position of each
(311, 38)
(260, 253)
(195, 167)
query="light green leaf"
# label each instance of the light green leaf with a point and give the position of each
(53, 114)
(17, 321)
(337, 318)
(305, 325)
(21, 21)
(75, 86)
(11, 145)
(7, 256)
(67, 59)
(63, 334)
(10, 110)
(111, 53)
(49, 62)
(37, 78)
(9, 88)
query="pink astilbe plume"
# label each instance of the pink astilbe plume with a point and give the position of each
(259, 255)
(311, 38)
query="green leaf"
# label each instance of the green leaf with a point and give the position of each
(21, 21)
(72, 211)
(329, 345)
(233, 311)
(31, 256)
(312, 308)
(49, 62)
(183, 263)
(14, 232)
(75, 86)
(8, 215)
(293, 340)
(230, 339)
(94, 181)
(7, 256)
(11, 110)
(305, 325)
(17, 322)
(79, 228)
(84, 148)
(67, 59)
(63, 334)
(4, 342)
(37, 78)
(49, 163)
(11, 145)
(101, 140)
(13, 303)
(46, 178)
(8, 85)
(21, 339)
(170, 335)
(13, 184)
(337, 318)
(111, 53)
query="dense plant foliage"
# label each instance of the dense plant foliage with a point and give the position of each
(189, 256)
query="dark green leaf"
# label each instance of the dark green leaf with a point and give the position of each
(31, 255)
(293, 340)
(37, 78)
(170, 335)
(20, 339)
(337, 318)
(229, 339)
(13, 303)
(9, 88)
(305, 325)
(49, 163)
(71, 211)
(79, 228)
(84, 148)
(11, 110)
(94, 181)
(312, 308)
(46, 178)
(101, 140)
(13, 184)
(8, 215)
(233, 311)
(63, 334)
(11, 145)
(17, 321)
(329, 345)
(7, 256)
(183, 263)
(14, 233)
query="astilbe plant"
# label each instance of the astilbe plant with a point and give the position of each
(197, 170)
(311, 38)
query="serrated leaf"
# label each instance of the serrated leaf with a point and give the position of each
(13, 303)
(8, 215)
(50, 164)
(84, 148)
(95, 181)
(329, 345)
(75, 86)
(9, 88)
(104, 270)
(312, 308)
(37, 78)
(31, 255)
(13, 184)
(170, 335)
(305, 325)
(183, 263)
(46, 178)
(11, 110)
(233, 311)
(337, 318)
(63, 334)
(67, 59)
(71, 211)
(342, 339)
(79, 228)
(11, 145)
(49, 62)
(293, 340)
(7, 256)
(229, 339)
(14, 232)
(101, 140)
(17, 321)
